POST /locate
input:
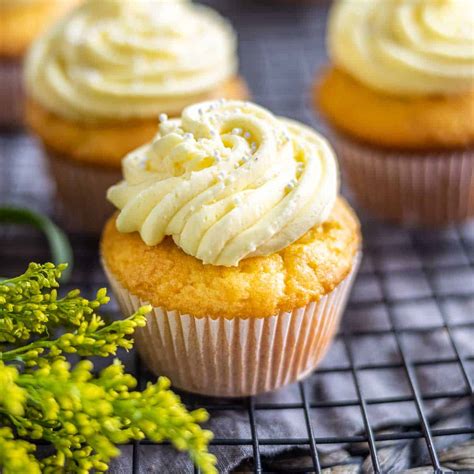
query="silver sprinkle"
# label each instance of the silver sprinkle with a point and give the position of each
(163, 118)
(291, 185)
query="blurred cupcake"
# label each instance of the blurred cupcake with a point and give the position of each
(230, 225)
(400, 95)
(21, 22)
(98, 81)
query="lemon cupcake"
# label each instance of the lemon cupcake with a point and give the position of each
(400, 95)
(21, 22)
(98, 81)
(231, 227)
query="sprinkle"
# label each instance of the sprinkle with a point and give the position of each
(253, 146)
(216, 156)
(220, 176)
(247, 135)
(291, 185)
(188, 136)
(237, 131)
(163, 118)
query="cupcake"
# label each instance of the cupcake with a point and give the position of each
(21, 22)
(230, 225)
(399, 96)
(99, 80)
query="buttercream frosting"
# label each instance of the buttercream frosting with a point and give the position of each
(228, 180)
(119, 59)
(405, 47)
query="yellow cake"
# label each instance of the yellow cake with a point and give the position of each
(98, 81)
(297, 275)
(24, 20)
(399, 95)
(231, 227)
(104, 144)
(430, 122)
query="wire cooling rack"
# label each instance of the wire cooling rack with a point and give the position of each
(412, 284)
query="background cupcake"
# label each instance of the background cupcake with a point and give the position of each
(21, 22)
(230, 225)
(400, 94)
(98, 81)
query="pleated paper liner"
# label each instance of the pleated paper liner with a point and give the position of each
(430, 189)
(240, 356)
(11, 93)
(81, 193)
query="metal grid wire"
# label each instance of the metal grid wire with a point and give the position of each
(281, 47)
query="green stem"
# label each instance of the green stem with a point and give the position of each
(14, 353)
(59, 245)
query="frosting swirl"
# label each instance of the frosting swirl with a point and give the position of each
(228, 180)
(405, 47)
(116, 59)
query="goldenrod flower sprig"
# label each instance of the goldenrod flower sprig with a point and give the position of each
(83, 415)
(29, 304)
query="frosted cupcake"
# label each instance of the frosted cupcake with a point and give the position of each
(400, 96)
(231, 227)
(21, 22)
(98, 81)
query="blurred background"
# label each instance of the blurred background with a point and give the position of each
(395, 391)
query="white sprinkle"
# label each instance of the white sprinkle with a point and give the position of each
(220, 176)
(291, 185)
(237, 131)
(188, 136)
(163, 118)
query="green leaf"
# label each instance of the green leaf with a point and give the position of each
(59, 245)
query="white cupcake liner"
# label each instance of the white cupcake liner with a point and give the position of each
(81, 193)
(413, 188)
(11, 93)
(239, 356)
